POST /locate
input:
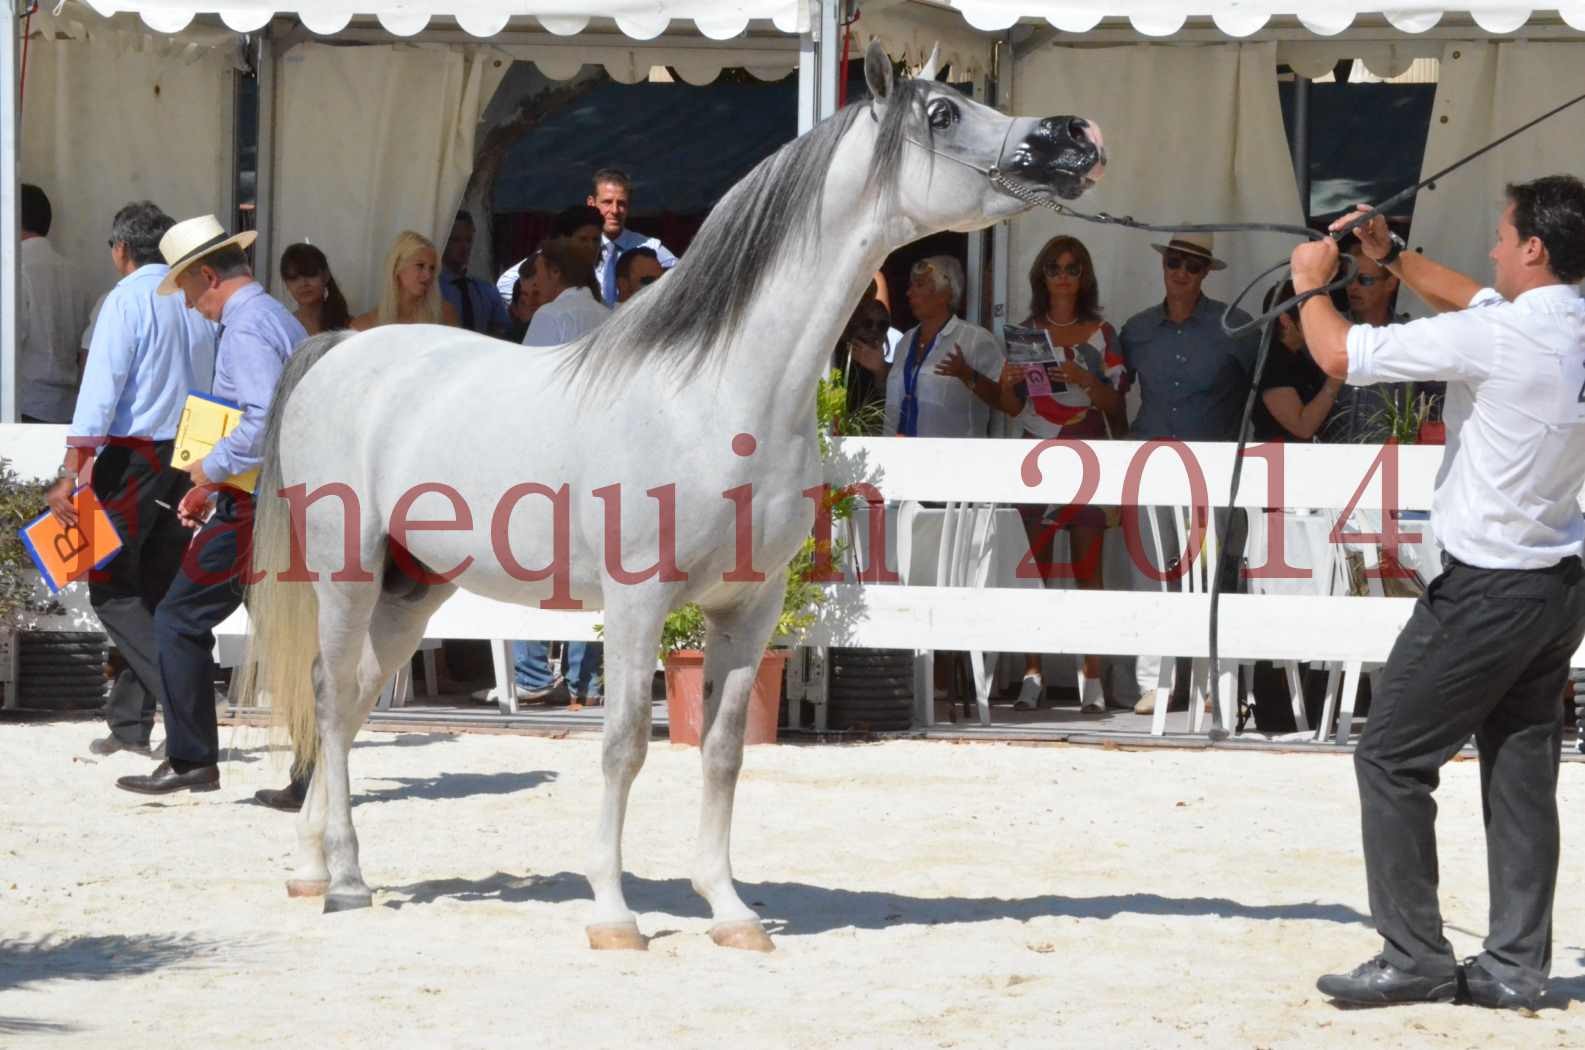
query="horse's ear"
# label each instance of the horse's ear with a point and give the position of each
(878, 71)
(931, 65)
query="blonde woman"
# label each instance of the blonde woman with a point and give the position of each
(409, 294)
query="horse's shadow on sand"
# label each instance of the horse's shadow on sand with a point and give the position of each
(452, 786)
(799, 908)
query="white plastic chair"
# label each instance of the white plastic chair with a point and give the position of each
(963, 559)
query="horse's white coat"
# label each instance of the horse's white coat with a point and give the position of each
(396, 409)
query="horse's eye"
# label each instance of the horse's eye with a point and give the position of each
(943, 113)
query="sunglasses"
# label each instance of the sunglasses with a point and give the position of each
(1365, 280)
(1184, 262)
(1054, 269)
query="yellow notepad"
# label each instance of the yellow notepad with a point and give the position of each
(205, 420)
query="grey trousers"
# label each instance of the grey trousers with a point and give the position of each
(139, 491)
(1486, 652)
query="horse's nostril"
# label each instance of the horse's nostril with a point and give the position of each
(1078, 130)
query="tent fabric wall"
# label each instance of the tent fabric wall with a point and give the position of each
(81, 146)
(1487, 90)
(373, 141)
(1196, 137)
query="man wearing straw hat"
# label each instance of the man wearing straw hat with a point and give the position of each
(257, 335)
(1193, 379)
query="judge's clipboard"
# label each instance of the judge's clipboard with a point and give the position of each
(64, 553)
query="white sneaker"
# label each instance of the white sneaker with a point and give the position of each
(1030, 692)
(1093, 701)
(1146, 704)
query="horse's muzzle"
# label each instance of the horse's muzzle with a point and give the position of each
(1064, 154)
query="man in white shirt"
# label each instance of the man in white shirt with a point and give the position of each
(564, 286)
(52, 307)
(1487, 649)
(563, 283)
(613, 191)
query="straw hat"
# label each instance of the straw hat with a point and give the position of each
(189, 241)
(1199, 245)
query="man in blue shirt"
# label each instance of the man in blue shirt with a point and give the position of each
(147, 351)
(612, 195)
(1193, 381)
(479, 307)
(257, 336)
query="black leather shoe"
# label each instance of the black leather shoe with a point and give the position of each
(1379, 983)
(109, 745)
(165, 780)
(284, 799)
(1494, 993)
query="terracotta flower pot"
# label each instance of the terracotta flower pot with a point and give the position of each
(1433, 433)
(685, 697)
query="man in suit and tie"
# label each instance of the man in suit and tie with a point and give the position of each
(613, 194)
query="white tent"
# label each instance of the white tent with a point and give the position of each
(1068, 54)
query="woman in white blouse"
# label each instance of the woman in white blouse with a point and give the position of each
(943, 382)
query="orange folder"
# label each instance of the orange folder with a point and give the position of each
(65, 554)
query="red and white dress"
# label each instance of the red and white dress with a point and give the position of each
(1053, 408)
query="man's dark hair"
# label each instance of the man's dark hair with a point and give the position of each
(138, 227)
(569, 221)
(614, 176)
(1553, 209)
(37, 216)
(573, 260)
(624, 262)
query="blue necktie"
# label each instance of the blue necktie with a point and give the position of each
(608, 278)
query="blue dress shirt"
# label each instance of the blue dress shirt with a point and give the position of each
(1194, 378)
(605, 266)
(147, 352)
(257, 336)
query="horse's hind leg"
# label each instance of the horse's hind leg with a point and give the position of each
(734, 645)
(631, 638)
(346, 611)
(395, 628)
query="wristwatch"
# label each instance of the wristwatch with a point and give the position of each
(1397, 249)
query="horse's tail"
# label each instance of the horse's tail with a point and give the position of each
(283, 614)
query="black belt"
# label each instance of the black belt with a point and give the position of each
(1570, 564)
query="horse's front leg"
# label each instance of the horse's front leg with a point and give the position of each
(632, 637)
(734, 645)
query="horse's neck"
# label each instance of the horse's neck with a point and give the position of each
(785, 344)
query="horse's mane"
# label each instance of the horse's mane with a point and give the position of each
(773, 212)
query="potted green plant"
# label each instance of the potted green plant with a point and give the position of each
(682, 653)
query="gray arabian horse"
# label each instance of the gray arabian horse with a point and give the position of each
(697, 395)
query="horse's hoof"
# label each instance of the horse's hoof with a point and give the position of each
(335, 902)
(608, 936)
(746, 934)
(307, 887)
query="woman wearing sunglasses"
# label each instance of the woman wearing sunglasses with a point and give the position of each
(1079, 397)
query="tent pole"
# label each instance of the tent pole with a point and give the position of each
(830, 13)
(10, 230)
(264, 161)
(1301, 140)
(808, 81)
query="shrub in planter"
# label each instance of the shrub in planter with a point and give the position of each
(682, 645)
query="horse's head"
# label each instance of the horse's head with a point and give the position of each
(978, 165)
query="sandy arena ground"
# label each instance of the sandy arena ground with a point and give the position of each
(921, 894)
